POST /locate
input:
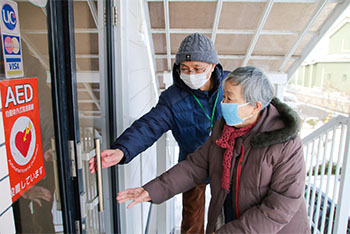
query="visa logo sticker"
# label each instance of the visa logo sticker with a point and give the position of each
(14, 66)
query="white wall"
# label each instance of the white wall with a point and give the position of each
(6, 214)
(138, 94)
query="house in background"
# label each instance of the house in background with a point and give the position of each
(327, 72)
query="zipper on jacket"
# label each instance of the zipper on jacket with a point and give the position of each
(238, 177)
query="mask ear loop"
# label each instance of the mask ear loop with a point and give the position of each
(245, 104)
(206, 70)
(249, 116)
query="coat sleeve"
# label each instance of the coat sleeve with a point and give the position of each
(182, 177)
(146, 130)
(283, 198)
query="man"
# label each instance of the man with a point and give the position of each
(189, 108)
(254, 160)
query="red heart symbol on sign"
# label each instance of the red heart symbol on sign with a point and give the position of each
(22, 141)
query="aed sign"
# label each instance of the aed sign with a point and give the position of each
(11, 39)
(20, 110)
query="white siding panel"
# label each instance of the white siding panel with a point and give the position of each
(136, 113)
(141, 97)
(2, 133)
(132, 180)
(138, 61)
(133, 171)
(140, 82)
(7, 224)
(149, 170)
(5, 200)
(149, 164)
(133, 19)
(133, 31)
(133, 7)
(3, 162)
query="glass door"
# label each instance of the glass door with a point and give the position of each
(89, 54)
(78, 62)
(38, 210)
(63, 46)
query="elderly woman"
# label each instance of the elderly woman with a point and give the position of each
(254, 160)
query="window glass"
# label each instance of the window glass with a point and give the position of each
(38, 209)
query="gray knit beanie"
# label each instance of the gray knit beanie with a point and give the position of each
(197, 47)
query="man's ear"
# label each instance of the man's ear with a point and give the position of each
(212, 67)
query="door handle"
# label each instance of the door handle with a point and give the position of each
(99, 173)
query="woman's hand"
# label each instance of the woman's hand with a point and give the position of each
(109, 158)
(137, 195)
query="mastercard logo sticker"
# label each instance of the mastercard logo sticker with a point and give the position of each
(11, 45)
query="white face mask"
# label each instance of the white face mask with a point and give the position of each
(195, 81)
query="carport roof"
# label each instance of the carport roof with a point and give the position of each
(275, 35)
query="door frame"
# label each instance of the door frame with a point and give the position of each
(60, 24)
(110, 30)
(61, 40)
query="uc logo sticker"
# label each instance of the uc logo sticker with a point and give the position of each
(9, 16)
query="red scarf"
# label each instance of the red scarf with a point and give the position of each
(227, 141)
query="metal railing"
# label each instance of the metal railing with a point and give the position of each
(327, 190)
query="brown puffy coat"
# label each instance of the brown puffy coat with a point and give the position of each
(270, 196)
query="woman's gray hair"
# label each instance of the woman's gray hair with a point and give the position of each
(256, 86)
